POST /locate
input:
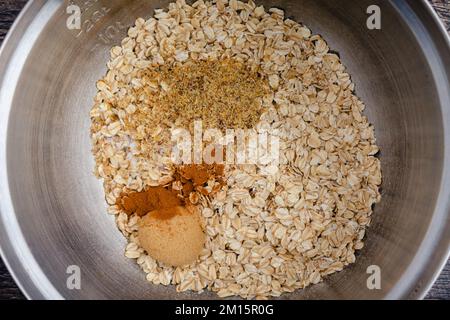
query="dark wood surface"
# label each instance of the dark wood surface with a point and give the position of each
(443, 9)
(9, 9)
(441, 288)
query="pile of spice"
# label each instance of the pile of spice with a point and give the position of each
(194, 180)
(141, 203)
(224, 94)
(189, 183)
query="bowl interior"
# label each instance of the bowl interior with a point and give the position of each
(60, 205)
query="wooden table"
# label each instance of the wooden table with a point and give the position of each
(9, 9)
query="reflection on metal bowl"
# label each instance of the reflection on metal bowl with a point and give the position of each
(52, 207)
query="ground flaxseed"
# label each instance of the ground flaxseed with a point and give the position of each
(224, 94)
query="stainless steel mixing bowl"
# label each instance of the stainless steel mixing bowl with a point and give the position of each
(53, 209)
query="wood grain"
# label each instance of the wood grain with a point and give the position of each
(442, 7)
(9, 9)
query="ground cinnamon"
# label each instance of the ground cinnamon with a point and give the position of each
(154, 198)
(162, 200)
(193, 177)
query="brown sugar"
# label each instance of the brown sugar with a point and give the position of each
(177, 241)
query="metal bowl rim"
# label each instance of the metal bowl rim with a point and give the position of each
(37, 285)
